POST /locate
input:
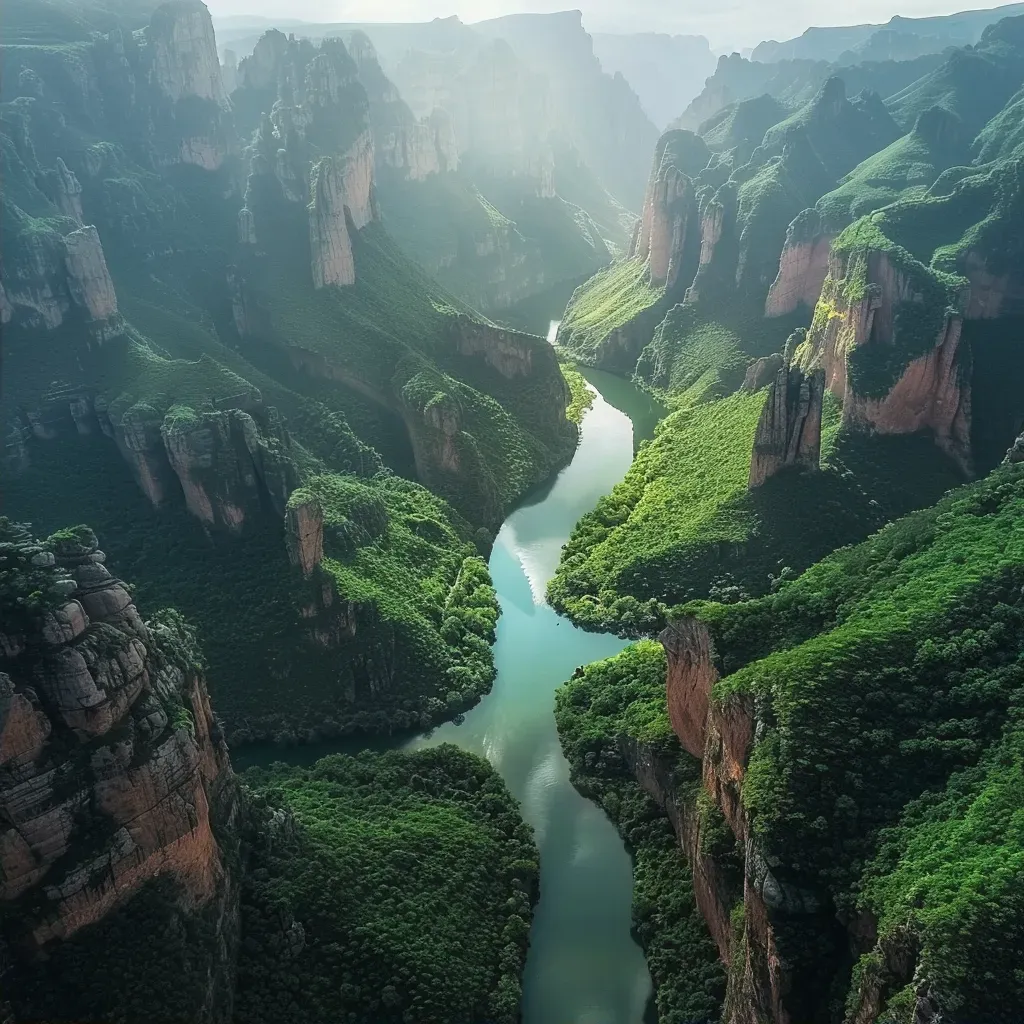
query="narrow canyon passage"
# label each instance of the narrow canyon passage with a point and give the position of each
(583, 965)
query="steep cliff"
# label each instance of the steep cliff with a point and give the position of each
(776, 696)
(789, 431)
(181, 64)
(330, 246)
(803, 266)
(886, 333)
(669, 220)
(113, 776)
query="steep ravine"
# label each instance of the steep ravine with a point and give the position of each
(583, 964)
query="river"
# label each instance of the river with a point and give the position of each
(583, 965)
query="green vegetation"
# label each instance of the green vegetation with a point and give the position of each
(952, 873)
(393, 887)
(841, 132)
(581, 394)
(609, 714)
(973, 83)
(905, 169)
(683, 524)
(917, 322)
(887, 677)
(413, 616)
(609, 301)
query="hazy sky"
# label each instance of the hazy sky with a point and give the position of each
(727, 23)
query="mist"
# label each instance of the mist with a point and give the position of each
(728, 25)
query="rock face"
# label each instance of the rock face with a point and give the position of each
(761, 985)
(183, 53)
(712, 228)
(330, 246)
(88, 278)
(67, 192)
(49, 277)
(669, 226)
(227, 467)
(342, 192)
(304, 532)
(853, 328)
(112, 770)
(803, 267)
(789, 430)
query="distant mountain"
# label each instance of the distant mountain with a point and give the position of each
(665, 71)
(830, 43)
(796, 82)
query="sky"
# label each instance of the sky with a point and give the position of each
(728, 24)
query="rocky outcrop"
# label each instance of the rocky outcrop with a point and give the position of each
(67, 192)
(789, 430)
(304, 532)
(875, 313)
(88, 278)
(192, 113)
(762, 983)
(342, 193)
(670, 214)
(227, 466)
(357, 182)
(183, 53)
(330, 245)
(691, 675)
(712, 228)
(112, 769)
(669, 225)
(803, 267)
(49, 278)
(762, 371)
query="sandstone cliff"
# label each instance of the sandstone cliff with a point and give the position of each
(803, 267)
(887, 334)
(112, 769)
(183, 53)
(50, 277)
(225, 465)
(763, 985)
(668, 233)
(193, 122)
(330, 246)
(789, 430)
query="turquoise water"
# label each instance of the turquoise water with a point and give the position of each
(583, 965)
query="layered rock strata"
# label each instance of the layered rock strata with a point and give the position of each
(764, 986)
(803, 267)
(112, 769)
(868, 338)
(789, 430)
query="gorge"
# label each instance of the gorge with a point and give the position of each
(467, 559)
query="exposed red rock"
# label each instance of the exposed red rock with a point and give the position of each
(931, 393)
(110, 759)
(803, 267)
(789, 430)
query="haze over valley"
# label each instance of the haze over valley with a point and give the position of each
(511, 516)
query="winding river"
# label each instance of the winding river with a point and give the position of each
(583, 966)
